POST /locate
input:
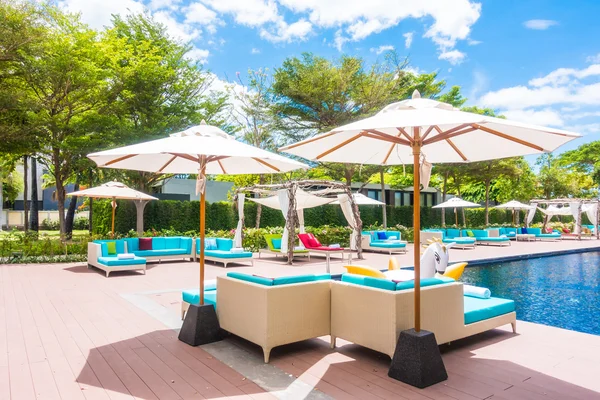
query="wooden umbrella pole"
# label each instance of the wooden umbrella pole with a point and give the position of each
(417, 226)
(114, 207)
(202, 228)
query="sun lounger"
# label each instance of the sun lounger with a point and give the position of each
(312, 244)
(543, 236)
(223, 252)
(101, 257)
(274, 247)
(482, 237)
(383, 241)
(448, 236)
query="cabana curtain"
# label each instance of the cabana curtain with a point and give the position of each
(284, 205)
(346, 207)
(574, 206)
(300, 214)
(591, 212)
(237, 239)
(531, 213)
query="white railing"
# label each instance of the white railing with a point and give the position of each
(14, 218)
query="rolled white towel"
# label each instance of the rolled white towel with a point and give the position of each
(125, 256)
(237, 250)
(475, 291)
(335, 246)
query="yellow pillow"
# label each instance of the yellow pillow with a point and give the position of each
(365, 271)
(455, 271)
(393, 264)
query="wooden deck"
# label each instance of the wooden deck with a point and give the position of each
(67, 332)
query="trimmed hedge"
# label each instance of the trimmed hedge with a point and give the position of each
(184, 216)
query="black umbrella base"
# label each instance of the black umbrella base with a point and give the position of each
(200, 326)
(417, 360)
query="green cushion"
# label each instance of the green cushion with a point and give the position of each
(251, 278)
(120, 246)
(227, 254)
(158, 243)
(470, 233)
(477, 309)
(286, 280)
(424, 282)
(115, 262)
(111, 248)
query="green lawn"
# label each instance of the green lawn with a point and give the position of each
(77, 232)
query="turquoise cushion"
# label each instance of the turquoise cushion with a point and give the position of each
(172, 243)
(224, 244)
(286, 280)
(120, 244)
(353, 278)
(453, 233)
(158, 243)
(115, 262)
(276, 244)
(477, 309)
(251, 278)
(227, 254)
(133, 244)
(186, 244)
(535, 231)
(424, 282)
(157, 253)
(549, 235)
(379, 283)
(193, 297)
(492, 239)
(460, 240)
(388, 245)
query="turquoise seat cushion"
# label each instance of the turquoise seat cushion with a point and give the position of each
(453, 233)
(424, 282)
(388, 245)
(172, 243)
(115, 262)
(286, 280)
(193, 297)
(224, 244)
(460, 240)
(477, 309)
(354, 278)
(378, 283)
(158, 243)
(492, 239)
(186, 244)
(157, 253)
(276, 244)
(535, 231)
(133, 244)
(549, 235)
(227, 254)
(261, 280)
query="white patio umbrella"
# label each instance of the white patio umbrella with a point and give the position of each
(113, 190)
(456, 202)
(362, 200)
(514, 205)
(410, 130)
(202, 150)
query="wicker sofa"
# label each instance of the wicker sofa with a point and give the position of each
(163, 248)
(374, 317)
(224, 252)
(100, 257)
(273, 312)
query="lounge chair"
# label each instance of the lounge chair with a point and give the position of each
(224, 252)
(271, 312)
(481, 236)
(312, 244)
(274, 247)
(383, 241)
(372, 312)
(162, 248)
(543, 236)
(104, 258)
(449, 236)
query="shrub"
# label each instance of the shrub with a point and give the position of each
(48, 225)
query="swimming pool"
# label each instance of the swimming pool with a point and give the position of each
(561, 291)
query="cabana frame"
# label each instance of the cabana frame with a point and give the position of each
(581, 202)
(315, 187)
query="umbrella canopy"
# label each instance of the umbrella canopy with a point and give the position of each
(201, 149)
(456, 202)
(515, 205)
(113, 190)
(410, 130)
(304, 200)
(362, 200)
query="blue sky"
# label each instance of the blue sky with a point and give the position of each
(536, 61)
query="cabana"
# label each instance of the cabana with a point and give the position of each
(293, 197)
(570, 207)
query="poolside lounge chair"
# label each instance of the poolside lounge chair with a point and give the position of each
(224, 252)
(543, 236)
(271, 312)
(383, 241)
(274, 247)
(372, 312)
(448, 236)
(481, 236)
(312, 244)
(101, 257)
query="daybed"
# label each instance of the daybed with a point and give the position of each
(448, 236)
(274, 247)
(221, 250)
(383, 241)
(271, 312)
(481, 236)
(105, 255)
(542, 236)
(161, 248)
(372, 312)
(312, 244)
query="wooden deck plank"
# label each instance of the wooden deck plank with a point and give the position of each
(43, 381)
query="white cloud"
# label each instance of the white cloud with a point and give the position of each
(176, 29)
(382, 49)
(472, 42)
(255, 51)
(284, 32)
(253, 13)
(454, 57)
(593, 59)
(563, 76)
(200, 55)
(197, 13)
(480, 84)
(158, 4)
(539, 24)
(545, 117)
(408, 38)
(98, 13)
(339, 40)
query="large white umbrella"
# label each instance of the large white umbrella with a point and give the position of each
(514, 205)
(202, 150)
(456, 202)
(113, 190)
(405, 131)
(304, 200)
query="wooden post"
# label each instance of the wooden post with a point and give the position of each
(381, 176)
(202, 228)
(114, 207)
(579, 220)
(417, 225)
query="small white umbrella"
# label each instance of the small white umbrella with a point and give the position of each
(201, 149)
(405, 131)
(113, 190)
(362, 200)
(456, 202)
(514, 205)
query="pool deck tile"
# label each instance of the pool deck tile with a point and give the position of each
(67, 332)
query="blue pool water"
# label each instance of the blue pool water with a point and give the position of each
(562, 291)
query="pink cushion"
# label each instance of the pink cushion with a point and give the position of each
(145, 243)
(312, 242)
